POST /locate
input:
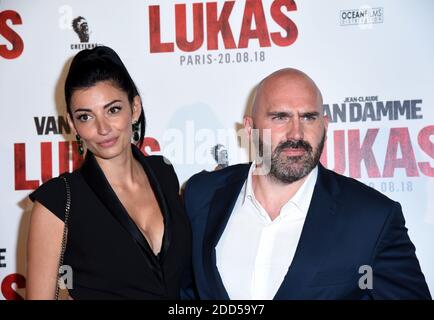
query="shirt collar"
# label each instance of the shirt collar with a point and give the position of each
(248, 188)
(301, 199)
(303, 196)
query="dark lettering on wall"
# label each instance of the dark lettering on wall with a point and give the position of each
(2, 258)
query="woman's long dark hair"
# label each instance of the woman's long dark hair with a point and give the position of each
(101, 64)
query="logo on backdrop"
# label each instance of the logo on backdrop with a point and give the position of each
(220, 155)
(365, 16)
(216, 32)
(15, 44)
(81, 28)
(79, 25)
(409, 147)
(11, 282)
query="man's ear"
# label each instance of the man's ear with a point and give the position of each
(137, 108)
(248, 125)
(326, 122)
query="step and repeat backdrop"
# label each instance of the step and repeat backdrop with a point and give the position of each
(196, 64)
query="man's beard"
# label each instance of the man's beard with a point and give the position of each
(288, 169)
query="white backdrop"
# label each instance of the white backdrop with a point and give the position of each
(373, 61)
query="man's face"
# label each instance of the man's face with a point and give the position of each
(83, 27)
(291, 108)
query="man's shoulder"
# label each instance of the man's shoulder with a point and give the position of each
(357, 192)
(217, 178)
(201, 187)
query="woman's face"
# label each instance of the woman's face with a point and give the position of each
(102, 116)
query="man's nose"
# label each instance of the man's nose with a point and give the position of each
(295, 130)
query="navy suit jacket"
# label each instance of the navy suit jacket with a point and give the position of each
(348, 225)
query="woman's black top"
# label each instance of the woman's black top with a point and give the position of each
(109, 256)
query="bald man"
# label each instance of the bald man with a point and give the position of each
(284, 227)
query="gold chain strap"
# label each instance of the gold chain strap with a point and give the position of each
(65, 234)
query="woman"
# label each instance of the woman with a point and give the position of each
(128, 236)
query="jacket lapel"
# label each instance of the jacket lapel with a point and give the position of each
(95, 178)
(320, 228)
(221, 207)
(155, 182)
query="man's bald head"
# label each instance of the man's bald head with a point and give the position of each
(292, 81)
(288, 108)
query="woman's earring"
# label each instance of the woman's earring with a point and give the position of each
(80, 144)
(136, 136)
